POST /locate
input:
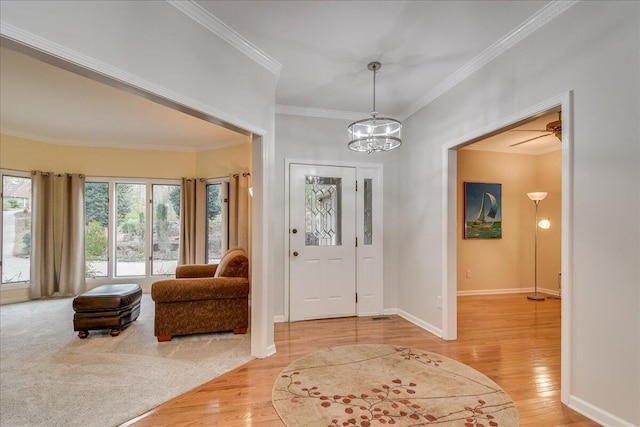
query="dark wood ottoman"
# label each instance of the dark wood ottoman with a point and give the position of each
(106, 307)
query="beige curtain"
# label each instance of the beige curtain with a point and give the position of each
(57, 235)
(192, 221)
(239, 184)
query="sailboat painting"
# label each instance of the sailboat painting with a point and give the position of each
(482, 210)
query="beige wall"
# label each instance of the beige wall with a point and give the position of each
(507, 264)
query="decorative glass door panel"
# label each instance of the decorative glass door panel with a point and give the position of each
(323, 197)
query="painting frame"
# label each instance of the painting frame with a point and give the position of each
(482, 214)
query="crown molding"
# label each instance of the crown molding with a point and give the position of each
(123, 145)
(223, 144)
(293, 110)
(196, 12)
(528, 27)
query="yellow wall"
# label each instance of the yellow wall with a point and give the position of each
(223, 161)
(549, 241)
(25, 155)
(507, 264)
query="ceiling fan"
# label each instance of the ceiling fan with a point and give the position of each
(553, 128)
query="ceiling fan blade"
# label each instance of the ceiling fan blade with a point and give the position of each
(530, 139)
(529, 130)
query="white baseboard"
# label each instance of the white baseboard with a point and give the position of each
(597, 414)
(390, 311)
(271, 350)
(370, 314)
(421, 323)
(549, 292)
(506, 291)
(279, 319)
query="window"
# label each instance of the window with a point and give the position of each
(16, 227)
(119, 240)
(368, 211)
(166, 228)
(132, 226)
(96, 228)
(130, 229)
(216, 220)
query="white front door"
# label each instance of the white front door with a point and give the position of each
(322, 241)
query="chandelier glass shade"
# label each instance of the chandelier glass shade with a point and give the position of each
(374, 133)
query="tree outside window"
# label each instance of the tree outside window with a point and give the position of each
(96, 228)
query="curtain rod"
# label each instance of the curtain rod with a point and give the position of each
(59, 175)
(125, 177)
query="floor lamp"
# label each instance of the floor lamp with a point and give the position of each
(537, 197)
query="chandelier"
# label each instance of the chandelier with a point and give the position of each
(374, 133)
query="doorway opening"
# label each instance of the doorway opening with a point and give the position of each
(501, 247)
(261, 149)
(454, 201)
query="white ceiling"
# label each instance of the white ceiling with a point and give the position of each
(323, 47)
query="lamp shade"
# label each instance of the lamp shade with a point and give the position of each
(545, 224)
(537, 195)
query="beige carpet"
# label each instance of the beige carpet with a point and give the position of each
(371, 385)
(50, 377)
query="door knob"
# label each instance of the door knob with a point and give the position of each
(295, 253)
(294, 231)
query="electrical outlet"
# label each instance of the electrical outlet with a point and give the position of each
(468, 274)
(439, 302)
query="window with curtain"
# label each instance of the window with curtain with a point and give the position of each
(16, 227)
(131, 226)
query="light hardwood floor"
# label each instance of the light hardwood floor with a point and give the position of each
(514, 341)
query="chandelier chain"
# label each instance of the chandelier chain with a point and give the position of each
(374, 90)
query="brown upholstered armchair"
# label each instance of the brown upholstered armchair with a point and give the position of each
(204, 298)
